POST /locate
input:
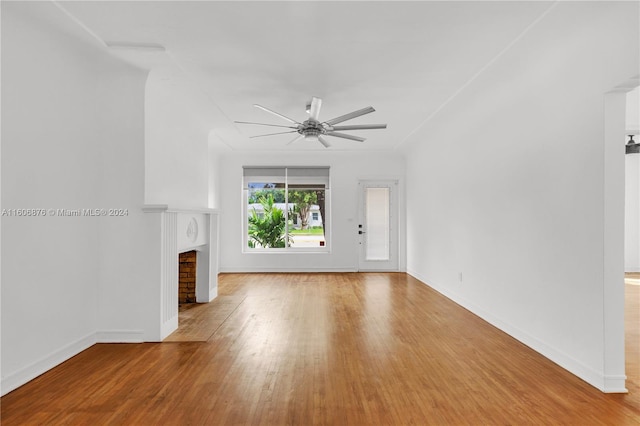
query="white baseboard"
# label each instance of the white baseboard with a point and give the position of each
(612, 384)
(120, 336)
(44, 364)
(213, 292)
(276, 269)
(615, 384)
(168, 327)
(632, 269)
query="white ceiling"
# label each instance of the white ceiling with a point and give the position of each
(406, 59)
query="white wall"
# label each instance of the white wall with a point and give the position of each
(72, 138)
(505, 185)
(216, 151)
(177, 143)
(346, 169)
(632, 188)
(633, 112)
(126, 262)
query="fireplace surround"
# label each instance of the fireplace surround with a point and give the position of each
(180, 231)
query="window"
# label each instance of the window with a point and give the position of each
(286, 208)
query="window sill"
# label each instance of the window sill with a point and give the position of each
(324, 250)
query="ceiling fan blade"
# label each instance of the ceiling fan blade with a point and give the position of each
(264, 124)
(296, 139)
(324, 142)
(271, 134)
(342, 135)
(314, 111)
(349, 116)
(360, 127)
(275, 113)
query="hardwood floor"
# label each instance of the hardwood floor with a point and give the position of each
(333, 349)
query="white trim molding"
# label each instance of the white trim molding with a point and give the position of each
(169, 275)
(614, 384)
(276, 269)
(120, 336)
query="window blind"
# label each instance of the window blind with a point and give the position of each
(310, 177)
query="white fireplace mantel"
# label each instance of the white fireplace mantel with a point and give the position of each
(181, 230)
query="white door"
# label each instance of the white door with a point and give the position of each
(378, 225)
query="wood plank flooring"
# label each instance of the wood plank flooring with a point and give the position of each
(331, 349)
(198, 321)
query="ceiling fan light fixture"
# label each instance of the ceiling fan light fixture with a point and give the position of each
(311, 134)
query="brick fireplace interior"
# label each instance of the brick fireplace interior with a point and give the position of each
(187, 277)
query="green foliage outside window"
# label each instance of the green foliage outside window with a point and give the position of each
(302, 201)
(267, 230)
(256, 194)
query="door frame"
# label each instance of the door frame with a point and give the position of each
(614, 374)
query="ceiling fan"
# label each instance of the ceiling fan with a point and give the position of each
(313, 129)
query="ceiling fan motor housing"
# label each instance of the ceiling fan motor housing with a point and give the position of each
(311, 129)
